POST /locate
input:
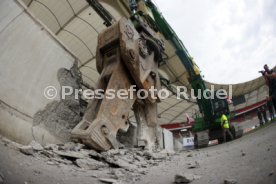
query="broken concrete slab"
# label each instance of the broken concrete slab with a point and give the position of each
(51, 147)
(36, 146)
(90, 164)
(71, 154)
(94, 154)
(36, 172)
(71, 146)
(52, 163)
(129, 164)
(27, 150)
(108, 180)
(118, 173)
(185, 178)
(118, 162)
(113, 152)
(160, 156)
(148, 154)
(194, 165)
(48, 154)
(61, 161)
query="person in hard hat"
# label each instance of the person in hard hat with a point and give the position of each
(225, 127)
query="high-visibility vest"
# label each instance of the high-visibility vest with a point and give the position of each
(224, 121)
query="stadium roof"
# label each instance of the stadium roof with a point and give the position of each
(76, 24)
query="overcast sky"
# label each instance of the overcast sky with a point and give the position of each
(230, 40)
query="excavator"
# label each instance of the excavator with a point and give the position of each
(129, 53)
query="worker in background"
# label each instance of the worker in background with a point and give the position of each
(225, 127)
(270, 107)
(264, 113)
(270, 77)
(260, 117)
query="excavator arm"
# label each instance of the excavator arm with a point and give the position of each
(195, 79)
(207, 126)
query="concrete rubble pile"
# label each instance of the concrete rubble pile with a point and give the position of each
(125, 165)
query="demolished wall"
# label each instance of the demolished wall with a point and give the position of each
(31, 59)
(60, 117)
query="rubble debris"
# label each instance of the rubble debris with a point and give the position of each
(62, 161)
(27, 150)
(190, 155)
(230, 181)
(185, 178)
(46, 153)
(113, 152)
(119, 163)
(71, 146)
(118, 173)
(148, 155)
(51, 147)
(160, 156)
(126, 165)
(52, 163)
(36, 146)
(90, 164)
(31, 148)
(71, 155)
(194, 166)
(107, 180)
(271, 173)
(36, 172)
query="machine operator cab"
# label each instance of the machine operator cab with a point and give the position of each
(220, 106)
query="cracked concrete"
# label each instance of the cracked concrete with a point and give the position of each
(60, 117)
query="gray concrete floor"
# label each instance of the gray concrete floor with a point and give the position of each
(225, 161)
(216, 164)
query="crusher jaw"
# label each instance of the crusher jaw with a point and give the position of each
(126, 56)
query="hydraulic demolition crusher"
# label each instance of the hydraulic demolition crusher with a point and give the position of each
(128, 54)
